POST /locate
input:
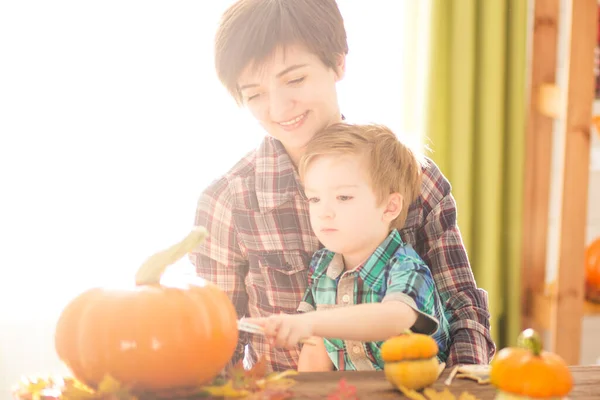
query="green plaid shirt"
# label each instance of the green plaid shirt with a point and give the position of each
(394, 272)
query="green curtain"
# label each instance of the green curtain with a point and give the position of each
(475, 112)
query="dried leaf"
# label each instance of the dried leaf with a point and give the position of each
(254, 383)
(466, 396)
(411, 394)
(227, 390)
(237, 383)
(70, 389)
(434, 395)
(344, 391)
(38, 388)
(477, 373)
(108, 389)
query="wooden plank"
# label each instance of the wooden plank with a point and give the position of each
(541, 305)
(373, 385)
(538, 155)
(566, 308)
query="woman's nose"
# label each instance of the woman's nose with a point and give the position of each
(281, 105)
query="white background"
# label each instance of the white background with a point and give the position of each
(112, 121)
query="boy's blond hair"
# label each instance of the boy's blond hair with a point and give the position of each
(393, 166)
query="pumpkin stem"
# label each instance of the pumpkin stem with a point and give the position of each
(153, 268)
(530, 340)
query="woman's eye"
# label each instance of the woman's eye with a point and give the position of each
(313, 200)
(344, 198)
(297, 81)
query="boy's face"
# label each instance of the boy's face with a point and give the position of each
(344, 211)
(293, 96)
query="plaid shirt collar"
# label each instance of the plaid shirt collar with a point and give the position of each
(333, 263)
(277, 180)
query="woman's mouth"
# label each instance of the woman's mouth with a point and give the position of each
(294, 123)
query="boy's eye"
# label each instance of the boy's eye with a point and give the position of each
(344, 198)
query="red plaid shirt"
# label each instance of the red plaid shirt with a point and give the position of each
(261, 243)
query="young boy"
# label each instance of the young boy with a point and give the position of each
(282, 59)
(366, 285)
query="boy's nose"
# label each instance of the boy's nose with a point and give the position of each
(327, 213)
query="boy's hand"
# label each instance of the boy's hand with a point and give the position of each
(284, 330)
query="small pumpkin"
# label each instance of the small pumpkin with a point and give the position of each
(150, 337)
(528, 372)
(410, 360)
(592, 271)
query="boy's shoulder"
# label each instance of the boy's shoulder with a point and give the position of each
(406, 254)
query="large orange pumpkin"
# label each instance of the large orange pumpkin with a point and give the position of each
(592, 271)
(150, 337)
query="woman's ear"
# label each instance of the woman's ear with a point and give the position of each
(395, 202)
(340, 67)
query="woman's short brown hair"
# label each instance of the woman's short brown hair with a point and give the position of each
(251, 30)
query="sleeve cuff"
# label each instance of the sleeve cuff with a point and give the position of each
(425, 323)
(305, 307)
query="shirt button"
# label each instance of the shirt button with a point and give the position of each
(346, 298)
(356, 349)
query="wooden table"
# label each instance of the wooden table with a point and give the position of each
(373, 385)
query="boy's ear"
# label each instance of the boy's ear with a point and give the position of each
(340, 67)
(394, 206)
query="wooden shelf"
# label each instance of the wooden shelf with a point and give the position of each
(541, 306)
(590, 308)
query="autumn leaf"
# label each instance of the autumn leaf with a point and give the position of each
(227, 390)
(432, 394)
(108, 389)
(411, 394)
(71, 389)
(38, 388)
(344, 391)
(254, 383)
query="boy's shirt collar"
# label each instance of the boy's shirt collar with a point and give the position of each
(332, 264)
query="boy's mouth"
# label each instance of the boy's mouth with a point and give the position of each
(328, 230)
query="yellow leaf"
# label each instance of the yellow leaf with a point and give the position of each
(226, 390)
(280, 384)
(467, 396)
(411, 394)
(109, 385)
(279, 375)
(434, 395)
